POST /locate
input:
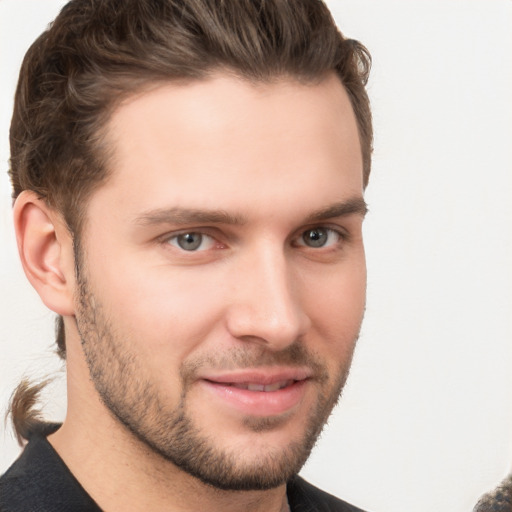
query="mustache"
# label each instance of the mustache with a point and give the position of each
(250, 356)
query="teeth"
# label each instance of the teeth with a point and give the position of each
(276, 386)
(255, 387)
(250, 386)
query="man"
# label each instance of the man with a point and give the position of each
(188, 180)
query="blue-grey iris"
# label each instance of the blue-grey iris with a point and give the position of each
(315, 237)
(190, 241)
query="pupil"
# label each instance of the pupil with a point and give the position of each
(190, 241)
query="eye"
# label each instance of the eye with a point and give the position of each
(319, 237)
(192, 241)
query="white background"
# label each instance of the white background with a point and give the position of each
(426, 420)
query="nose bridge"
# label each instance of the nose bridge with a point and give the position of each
(267, 305)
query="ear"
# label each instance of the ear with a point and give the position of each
(45, 246)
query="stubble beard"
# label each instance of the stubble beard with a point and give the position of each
(132, 398)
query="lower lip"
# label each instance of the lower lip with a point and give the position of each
(259, 403)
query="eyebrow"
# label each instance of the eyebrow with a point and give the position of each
(184, 216)
(352, 206)
(188, 216)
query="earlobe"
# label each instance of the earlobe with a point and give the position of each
(46, 251)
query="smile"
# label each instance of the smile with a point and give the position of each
(258, 392)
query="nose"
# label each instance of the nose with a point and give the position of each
(266, 306)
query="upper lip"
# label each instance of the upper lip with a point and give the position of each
(264, 376)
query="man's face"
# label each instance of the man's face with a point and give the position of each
(222, 280)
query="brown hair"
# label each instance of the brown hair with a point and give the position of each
(97, 52)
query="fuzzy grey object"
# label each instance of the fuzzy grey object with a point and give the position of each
(498, 500)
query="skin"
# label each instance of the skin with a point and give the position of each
(255, 169)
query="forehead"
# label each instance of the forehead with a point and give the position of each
(232, 141)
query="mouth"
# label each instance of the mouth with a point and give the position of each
(258, 393)
(267, 388)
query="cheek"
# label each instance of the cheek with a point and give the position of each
(336, 303)
(166, 312)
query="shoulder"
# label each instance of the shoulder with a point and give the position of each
(40, 481)
(19, 482)
(304, 497)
